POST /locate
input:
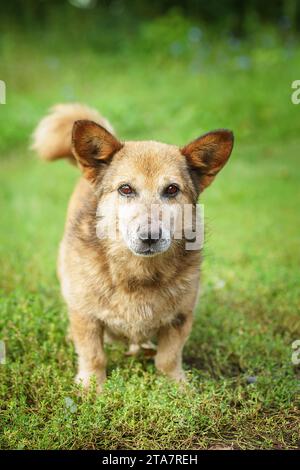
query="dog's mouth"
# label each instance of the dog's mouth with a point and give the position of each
(148, 252)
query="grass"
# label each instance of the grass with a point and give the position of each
(248, 314)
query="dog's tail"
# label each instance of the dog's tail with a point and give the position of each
(53, 135)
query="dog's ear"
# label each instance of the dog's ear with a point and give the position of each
(207, 155)
(93, 147)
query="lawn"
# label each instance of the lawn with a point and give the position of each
(243, 390)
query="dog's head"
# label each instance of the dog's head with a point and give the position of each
(145, 185)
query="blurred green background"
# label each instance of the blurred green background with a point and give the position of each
(167, 71)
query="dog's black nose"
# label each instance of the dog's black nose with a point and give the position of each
(150, 236)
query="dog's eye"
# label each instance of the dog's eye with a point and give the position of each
(126, 190)
(171, 190)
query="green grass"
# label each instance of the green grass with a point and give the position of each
(248, 314)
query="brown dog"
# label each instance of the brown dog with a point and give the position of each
(143, 282)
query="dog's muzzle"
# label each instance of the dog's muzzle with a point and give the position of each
(149, 242)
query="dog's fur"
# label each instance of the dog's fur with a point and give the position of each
(109, 286)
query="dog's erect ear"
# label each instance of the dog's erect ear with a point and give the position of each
(93, 146)
(207, 155)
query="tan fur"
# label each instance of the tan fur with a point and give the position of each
(107, 287)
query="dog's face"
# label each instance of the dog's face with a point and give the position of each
(144, 186)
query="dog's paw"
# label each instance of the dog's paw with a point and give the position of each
(133, 350)
(178, 376)
(85, 380)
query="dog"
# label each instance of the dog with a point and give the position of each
(143, 283)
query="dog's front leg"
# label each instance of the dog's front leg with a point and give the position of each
(87, 334)
(171, 339)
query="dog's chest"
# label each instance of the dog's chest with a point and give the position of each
(133, 305)
(137, 314)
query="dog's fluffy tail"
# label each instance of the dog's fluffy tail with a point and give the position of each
(52, 137)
